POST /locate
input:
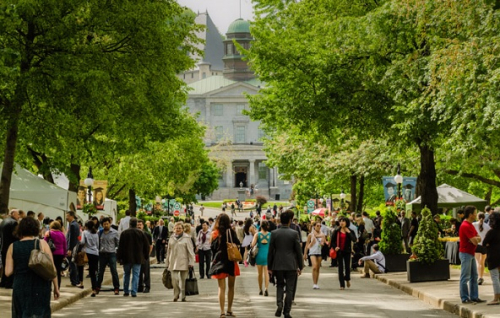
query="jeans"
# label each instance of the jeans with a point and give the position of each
(344, 262)
(108, 259)
(468, 274)
(286, 281)
(495, 280)
(205, 259)
(136, 269)
(73, 272)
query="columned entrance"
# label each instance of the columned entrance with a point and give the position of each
(240, 177)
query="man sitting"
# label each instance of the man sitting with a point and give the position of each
(374, 262)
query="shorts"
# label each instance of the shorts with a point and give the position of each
(317, 255)
(481, 249)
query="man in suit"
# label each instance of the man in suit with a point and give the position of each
(160, 235)
(7, 232)
(285, 262)
(405, 230)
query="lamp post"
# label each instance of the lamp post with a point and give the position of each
(89, 182)
(399, 180)
(342, 197)
(331, 202)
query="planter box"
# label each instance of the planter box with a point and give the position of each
(396, 263)
(419, 272)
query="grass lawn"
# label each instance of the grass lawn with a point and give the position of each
(218, 204)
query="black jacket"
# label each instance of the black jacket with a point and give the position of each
(133, 247)
(285, 252)
(7, 229)
(160, 236)
(492, 244)
(350, 238)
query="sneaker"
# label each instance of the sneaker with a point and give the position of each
(315, 287)
(246, 264)
(467, 301)
(480, 281)
(134, 295)
(125, 294)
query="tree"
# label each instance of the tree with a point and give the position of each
(351, 65)
(78, 75)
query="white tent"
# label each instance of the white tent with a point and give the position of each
(29, 192)
(450, 197)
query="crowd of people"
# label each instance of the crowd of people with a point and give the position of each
(276, 243)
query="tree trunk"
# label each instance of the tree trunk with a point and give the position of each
(427, 179)
(352, 203)
(361, 193)
(75, 169)
(8, 165)
(487, 197)
(132, 206)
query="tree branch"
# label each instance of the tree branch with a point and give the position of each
(474, 176)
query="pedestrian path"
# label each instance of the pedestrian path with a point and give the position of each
(366, 298)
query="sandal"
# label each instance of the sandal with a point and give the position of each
(222, 316)
(493, 303)
(230, 314)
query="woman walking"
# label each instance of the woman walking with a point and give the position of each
(480, 255)
(180, 258)
(59, 239)
(492, 244)
(90, 240)
(341, 240)
(31, 293)
(222, 267)
(249, 230)
(314, 243)
(262, 240)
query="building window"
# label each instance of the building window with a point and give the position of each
(262, 171)
(239, 135)
(192, 75)
(218, 110)
(262, 134)
(229, 49)
(240, 109)
(204, 75)
(219, 133)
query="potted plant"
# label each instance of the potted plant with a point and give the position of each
(390, 244)
(427, 262)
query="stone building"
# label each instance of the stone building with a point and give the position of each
(218, 97)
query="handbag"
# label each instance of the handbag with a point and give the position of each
(51, 243)
(80, 257)
(191, 284)
(41, 263)
(167, 279)
(333, 252)
(233, 252)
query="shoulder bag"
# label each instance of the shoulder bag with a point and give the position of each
(191, 286)
(51, 243)
(41, 263)
(333, 252)
(167, 279)
(233, 252)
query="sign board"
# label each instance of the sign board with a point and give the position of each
(176, 213)
(310, 206)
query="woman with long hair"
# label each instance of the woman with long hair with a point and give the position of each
(249, 230)
(222, 267)
(341, 240)
(262, 240)
(492, 244)
(30, 292)
(480, 255)
(59, 239)
(315, 241)
(90, 240)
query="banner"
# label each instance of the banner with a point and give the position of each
(408, 188)
(98, 196)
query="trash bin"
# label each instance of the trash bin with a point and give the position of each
(277, 197)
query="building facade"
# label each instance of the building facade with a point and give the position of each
(219, 100)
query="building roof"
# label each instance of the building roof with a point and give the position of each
(239, 26)
(212, 47)
(213, 83)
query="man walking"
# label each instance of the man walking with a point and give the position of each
(72, 240)
(7, 229)
(405, 231)
(160, 235)
(285, 262)
(108, 243)
(124, 223)
(133, 249)
(469, 239)
(145, 275)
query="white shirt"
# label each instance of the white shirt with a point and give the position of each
(354, 229)
(369, 226)
(379, 259)
(482, 234)
(124, 224)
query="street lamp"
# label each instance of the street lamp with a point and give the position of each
(399, 180)
(89, 182)
(342, 197)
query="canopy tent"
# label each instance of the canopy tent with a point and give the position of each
(30, 192)
(450, 197)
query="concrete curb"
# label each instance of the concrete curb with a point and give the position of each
(458, 309)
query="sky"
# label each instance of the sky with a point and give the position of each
(222, 12)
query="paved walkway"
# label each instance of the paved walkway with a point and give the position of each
(367, 298)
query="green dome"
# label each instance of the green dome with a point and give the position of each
(239, 26)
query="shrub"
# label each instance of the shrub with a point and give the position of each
(390, 243)
(261, 200)
(427, 246)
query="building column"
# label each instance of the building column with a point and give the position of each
(207, 114)
(251, 178)
(229, 174)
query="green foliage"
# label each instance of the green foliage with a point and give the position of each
(261, 200)
(427, 246)
(390, 244)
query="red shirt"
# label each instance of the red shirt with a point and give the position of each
(466, 232)
(342, 240)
